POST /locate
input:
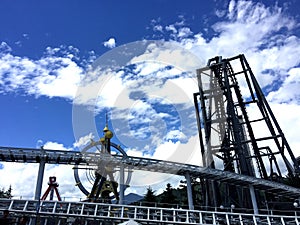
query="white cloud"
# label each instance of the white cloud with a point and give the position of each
(220, 13)
(63, 84)
(231, 9)
(175, 135)
(26, 36)
(184, 32)
(96, 89)
(83, 141)
(288, 118)
(251, 28)
(289, 90)
(158, 28)
(188, 152)
(170, 53)
(110, 43)
(254, 30)
(141, 180)
(171, 28)
(52, 76)
(4, 47)
(21, 178)
(55, 146)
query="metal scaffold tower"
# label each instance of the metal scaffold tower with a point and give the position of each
(238, 132)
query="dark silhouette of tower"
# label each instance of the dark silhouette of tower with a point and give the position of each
(238, 133)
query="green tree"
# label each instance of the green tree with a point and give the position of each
(168, 195)
(6, 194)
(196, 192)
(150, 197)
(292, 181)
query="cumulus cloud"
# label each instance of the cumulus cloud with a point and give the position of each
(288, 92)
(83, 140)
(287, 114)
(150, 94)
(110, 43)
(171, 28)
(52, 75)
(254, 30)
(19, 175)
(55, 146)
(250, 28)
(158, 28)
(184, 32)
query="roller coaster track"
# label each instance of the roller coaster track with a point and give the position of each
(31, 155)
(54, 212)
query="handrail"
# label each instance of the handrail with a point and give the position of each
(141, 214)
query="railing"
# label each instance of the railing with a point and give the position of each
(94, 213)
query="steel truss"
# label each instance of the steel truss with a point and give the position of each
(233, 141)
(147, 164)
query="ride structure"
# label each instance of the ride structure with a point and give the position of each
(104, 184)
(233, 141)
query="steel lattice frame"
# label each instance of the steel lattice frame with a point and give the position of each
(232, 141)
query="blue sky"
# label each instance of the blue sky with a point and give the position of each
(29, 28)
(50, 53)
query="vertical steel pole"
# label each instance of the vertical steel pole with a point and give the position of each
(39, 183)
(253, 199)
(122, 186)
(189, 191)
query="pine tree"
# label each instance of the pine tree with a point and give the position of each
(168, 195)
(292, 181)
(150, 197)
(6, 194)
(196, 192)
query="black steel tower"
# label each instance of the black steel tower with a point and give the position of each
(238, 131)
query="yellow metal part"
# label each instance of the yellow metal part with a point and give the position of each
(105, 129)
(109, 134)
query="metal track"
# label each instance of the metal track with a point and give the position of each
(22, 155)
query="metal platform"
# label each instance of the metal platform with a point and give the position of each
(54, 212)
